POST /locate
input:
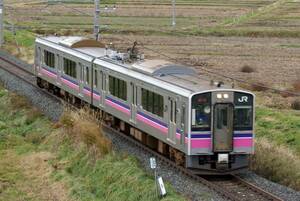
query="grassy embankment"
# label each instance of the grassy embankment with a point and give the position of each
(277, 148)
(69, 160)
(21, 44)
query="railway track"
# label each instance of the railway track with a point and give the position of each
(230, 187)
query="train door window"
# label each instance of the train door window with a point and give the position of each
(102, 80)
(222, 117)
(118, 88)
(133, 93)
(39, 54)
(70, 68)
(87, 75)
(171, 111)
(183, 118)
(49, 59)
(175, 112)
(95, 78)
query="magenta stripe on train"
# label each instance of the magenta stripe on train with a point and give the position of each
(163, 129)
(48, 73)
(117, 107)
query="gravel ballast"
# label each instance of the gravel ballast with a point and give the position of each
(193, 190)
(285, 193)
(50, 107)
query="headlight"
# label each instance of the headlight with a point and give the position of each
(225, 96)
(219, 96)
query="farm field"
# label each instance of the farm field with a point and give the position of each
(222, 36)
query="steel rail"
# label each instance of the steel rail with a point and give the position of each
(20, 72)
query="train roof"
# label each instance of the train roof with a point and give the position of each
(177, 78)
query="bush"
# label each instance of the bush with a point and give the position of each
(18, 102)
(247, 69)
(82, 126)
(277, 163)
(296, 104)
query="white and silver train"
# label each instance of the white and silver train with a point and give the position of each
(200, 125)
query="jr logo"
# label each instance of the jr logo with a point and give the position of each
(243, 99)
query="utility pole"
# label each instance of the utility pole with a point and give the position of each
(1, 23)
(174, 13)
(96, 19)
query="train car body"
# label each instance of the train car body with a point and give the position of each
(208, 126)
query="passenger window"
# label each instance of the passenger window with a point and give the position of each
(152, 102)
(49, 59)
(118, 88)
(70, 68)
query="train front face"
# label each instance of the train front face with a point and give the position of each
(221, 133)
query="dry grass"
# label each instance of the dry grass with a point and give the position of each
(32, 115)
(247, 69)
(277, 163)
(296, 104)
(18, 102)
(83, 127)
(296, 86)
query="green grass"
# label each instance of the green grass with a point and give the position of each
(22, 37)
(24, 133)
(279, 126)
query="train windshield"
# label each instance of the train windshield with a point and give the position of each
(201, 112)
(243, 111)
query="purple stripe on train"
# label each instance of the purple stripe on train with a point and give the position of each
(153, 124)
(48, 73)
(118, 105)
(87, 92)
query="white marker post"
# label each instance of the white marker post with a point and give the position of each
(162, 188)
(153, 167)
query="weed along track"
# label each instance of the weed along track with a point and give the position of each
(229, 187)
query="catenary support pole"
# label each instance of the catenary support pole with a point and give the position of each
(1, 23)
(173, 13)
(96, 19)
